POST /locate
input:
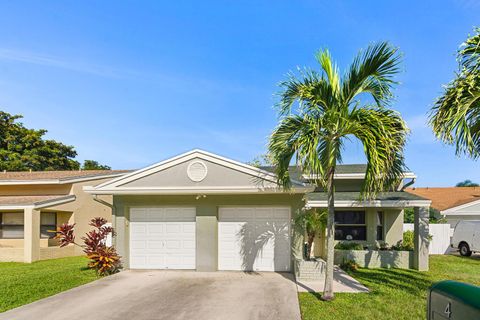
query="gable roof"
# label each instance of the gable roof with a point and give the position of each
(119, 185)
(56, 177)
(447, 198)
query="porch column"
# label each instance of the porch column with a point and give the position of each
(421, 235)
(31, 237)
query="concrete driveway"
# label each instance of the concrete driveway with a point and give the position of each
(172, 295)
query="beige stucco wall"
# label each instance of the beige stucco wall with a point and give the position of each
(205, 208)
(80, 212)
(18, 243)
(84, 208)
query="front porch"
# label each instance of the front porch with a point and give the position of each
(27, 228)
(375, 229)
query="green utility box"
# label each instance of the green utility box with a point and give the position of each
(453, 300)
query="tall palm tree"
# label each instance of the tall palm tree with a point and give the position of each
(455, 117)
(319, 110)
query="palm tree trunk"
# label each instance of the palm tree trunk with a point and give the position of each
(328, 289)
(310, 239)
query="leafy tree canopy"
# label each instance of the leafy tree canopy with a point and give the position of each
(467, 183)
(23, 149)
(261, 160)
(94, 165)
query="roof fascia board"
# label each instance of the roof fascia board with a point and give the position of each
(353, 176)
(451, 211)
(370, 204)
(57, 181)
(54, 202)
(190, 190)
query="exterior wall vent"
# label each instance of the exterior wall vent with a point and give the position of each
(197, 171)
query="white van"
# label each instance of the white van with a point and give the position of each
(466, 237)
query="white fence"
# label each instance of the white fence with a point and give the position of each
(440, 232)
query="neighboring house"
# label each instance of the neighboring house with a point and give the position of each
(32, 204)
(205, 212)
(454, 203)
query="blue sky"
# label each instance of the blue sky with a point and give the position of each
(130, 83)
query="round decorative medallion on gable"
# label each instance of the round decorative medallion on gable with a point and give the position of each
(197, 171)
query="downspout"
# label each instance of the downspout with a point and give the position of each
(408, 184)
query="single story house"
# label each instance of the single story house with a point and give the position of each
(205, 212)
(454, 203)
(32, 204)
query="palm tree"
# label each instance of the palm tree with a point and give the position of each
(319, 110)
(311, 222)
(455, 117)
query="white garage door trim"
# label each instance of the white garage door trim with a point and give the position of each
(267, 238)
(162, 238)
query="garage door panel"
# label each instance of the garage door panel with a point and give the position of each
(162, 238)
(155, 244)
(138, 244)
(155, 228)
(254, 238)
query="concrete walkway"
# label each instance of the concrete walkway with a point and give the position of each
(342, 282)
(150, 295)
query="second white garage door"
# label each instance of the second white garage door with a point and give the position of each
(162, 238)
(254, 238)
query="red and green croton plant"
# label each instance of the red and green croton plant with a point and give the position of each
(103, 259)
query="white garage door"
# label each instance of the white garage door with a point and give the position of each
(162, 238)
(254, 239)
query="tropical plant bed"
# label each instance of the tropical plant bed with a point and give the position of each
(394, 293)
(22, 283)
(376, 258)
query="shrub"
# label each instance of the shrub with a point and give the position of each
(103, 259)
(349, 265)
(349, 246)
(406, 244)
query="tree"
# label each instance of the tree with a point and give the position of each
(319, 110)
(23, 149)
(434, 216)
(260, 161)
(312, 222)
(94, 165)
(467, 183)
(455, 117)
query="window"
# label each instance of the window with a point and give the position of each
(350, 225)
(380, 219)
(48, 224)
(11, 225)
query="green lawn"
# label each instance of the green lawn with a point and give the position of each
(22, 283)
(395, 293)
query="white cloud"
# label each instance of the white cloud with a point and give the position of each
(57, 62)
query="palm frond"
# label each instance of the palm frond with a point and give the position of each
(383, 135)
(330, 69)
(469, 54)
(455, 116)
(372, 72)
